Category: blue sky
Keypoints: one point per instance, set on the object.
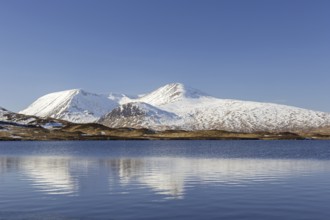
(270, 51)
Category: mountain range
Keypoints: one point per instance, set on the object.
(175, 106)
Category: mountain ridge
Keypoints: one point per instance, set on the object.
(176, 106)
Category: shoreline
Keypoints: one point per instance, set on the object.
(92, 131)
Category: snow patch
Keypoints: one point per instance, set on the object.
(52, 125)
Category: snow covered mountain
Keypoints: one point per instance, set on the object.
(74, 105)
(190, 109)
(175, 106)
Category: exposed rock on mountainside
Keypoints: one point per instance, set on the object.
(140, 115)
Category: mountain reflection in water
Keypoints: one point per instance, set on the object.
(168, 176)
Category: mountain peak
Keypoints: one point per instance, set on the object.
(171, 93)
(175, 84)
(76, 92)
(75, 105)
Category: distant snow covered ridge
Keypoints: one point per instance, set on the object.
(175, 106)
(3, 113)
(8, 116)
(25, 120)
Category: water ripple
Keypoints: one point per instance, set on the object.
(131, 186)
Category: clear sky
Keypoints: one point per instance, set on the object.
(267, 50)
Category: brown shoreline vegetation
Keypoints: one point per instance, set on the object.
(92, 131)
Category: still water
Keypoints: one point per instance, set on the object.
(165, 180)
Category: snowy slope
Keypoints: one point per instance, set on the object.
(195, 110)
(73, 105)
(242, 116)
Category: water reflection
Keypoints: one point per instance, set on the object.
(51, 175)
(164, 176)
